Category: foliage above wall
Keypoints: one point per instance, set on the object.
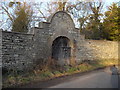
(111, 22)
(20, 15)
(88, 16)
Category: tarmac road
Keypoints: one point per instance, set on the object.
(98, 79)
(101, 78)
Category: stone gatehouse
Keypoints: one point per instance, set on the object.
(57, 39)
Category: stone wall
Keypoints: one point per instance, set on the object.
(24, 51)
(41, 41)
(103, 49)
(98, 49)
(16, 50)
(0, 59)
(0, 48)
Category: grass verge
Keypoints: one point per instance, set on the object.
(13, 80)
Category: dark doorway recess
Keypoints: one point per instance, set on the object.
(61, 48)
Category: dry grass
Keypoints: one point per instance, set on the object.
(108, 62)
(50, 70)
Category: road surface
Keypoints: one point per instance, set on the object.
(102, 78)
(99, 79)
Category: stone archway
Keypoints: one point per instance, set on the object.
(61, 49)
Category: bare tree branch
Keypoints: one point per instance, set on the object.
(9, 15)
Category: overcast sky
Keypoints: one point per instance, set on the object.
(107, 3)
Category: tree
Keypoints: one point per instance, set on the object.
(20, 17)
(94, 24)
(23, 18)
(80, 10)
(47, 9)
(111, 21)
(60, 5)
(89, 15)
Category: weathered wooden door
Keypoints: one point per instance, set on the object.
(61, 48)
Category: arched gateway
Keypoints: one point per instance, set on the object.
(61, 48)
(63, 35)
(57, 39)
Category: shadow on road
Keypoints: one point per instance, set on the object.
(114, 77)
